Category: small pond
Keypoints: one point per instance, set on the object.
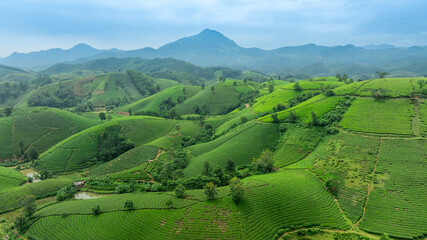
(88, 195)
(30, 172)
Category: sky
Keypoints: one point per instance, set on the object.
(32, 25)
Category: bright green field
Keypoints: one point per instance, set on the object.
(394, 87)
(38, 128)
(125, 161)
(398, 205)
(296, 144)
(379, 116)
(77, 152)
(235, 120)
(349, 159)
(152, 103)
(267, 102)
(9, 198)
(240, 145)
(10, 178)
(287, 198)
(318, 104)
(216, 101)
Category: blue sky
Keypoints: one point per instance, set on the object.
(29, 25)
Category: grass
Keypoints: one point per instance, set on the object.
(318, 104)
(348, 159)
(394, 87)
(240, 145)
(38, 128)
(288, 203)
(379, 116)
(9, 199)
(77, 152)
(127, 160)
(10, 178)
(296, 143)
(397, 205)
(267, 102)
(153, 102)
(216, 101)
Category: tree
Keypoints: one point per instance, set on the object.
(243, 119)
(292, 117)
(180, 191)
(230, 167)
(65, 193)
(212, 88)
(297, 87)
(338, 76)
(265, 163)
(30, 179)
(21, 223)
(8, 111)
(314, 120)
(378, 93)
(270, 88)
(245, 80)
(45, 173)
(381, 74)
(234, 83)
(203, 86)
(275, 118)
(129, 205)
(96, 210)
(130, 112)
(29, 204)
(207, 170)
(237, 190)
(210, 190)
(344, 78)
(102, 116)
(33, 154)
(169, 202)
(21, 147)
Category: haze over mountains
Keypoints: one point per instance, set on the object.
(211, 48)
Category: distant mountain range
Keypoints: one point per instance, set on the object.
(211, 48)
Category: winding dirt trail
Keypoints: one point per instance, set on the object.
(371, 186)
(149, 162)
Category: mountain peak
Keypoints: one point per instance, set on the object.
(210, 33)
(82, 46)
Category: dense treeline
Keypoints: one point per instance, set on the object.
(12, 90)
(143, 83)
(60, 98)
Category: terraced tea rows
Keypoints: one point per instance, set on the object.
(379, 116)
(397, 205)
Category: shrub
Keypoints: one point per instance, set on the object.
(180, 191)
(237, 190)
(210, 190)
(96, 210)
(65, 193)
(129, 205)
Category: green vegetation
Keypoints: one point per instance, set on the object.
(241, 145)
(397, 203)
(379, 116)
(37, 128)
(10, 178)
(80, 150)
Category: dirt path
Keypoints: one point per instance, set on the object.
(371, 186)
(149, 162)
(416, 121)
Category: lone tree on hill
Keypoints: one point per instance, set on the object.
(237, 190)
(297, 87)
(314, 120)
(210, 190)
(265, 163)
(230, 167)
(129, 205)
(102, 116)
(207, 170)
(381, 74)
(180, 191)
(212, 88)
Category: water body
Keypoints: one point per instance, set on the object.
(88, 195)
(30, 172)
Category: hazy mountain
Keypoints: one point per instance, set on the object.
(49, 57)
(211, 48)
